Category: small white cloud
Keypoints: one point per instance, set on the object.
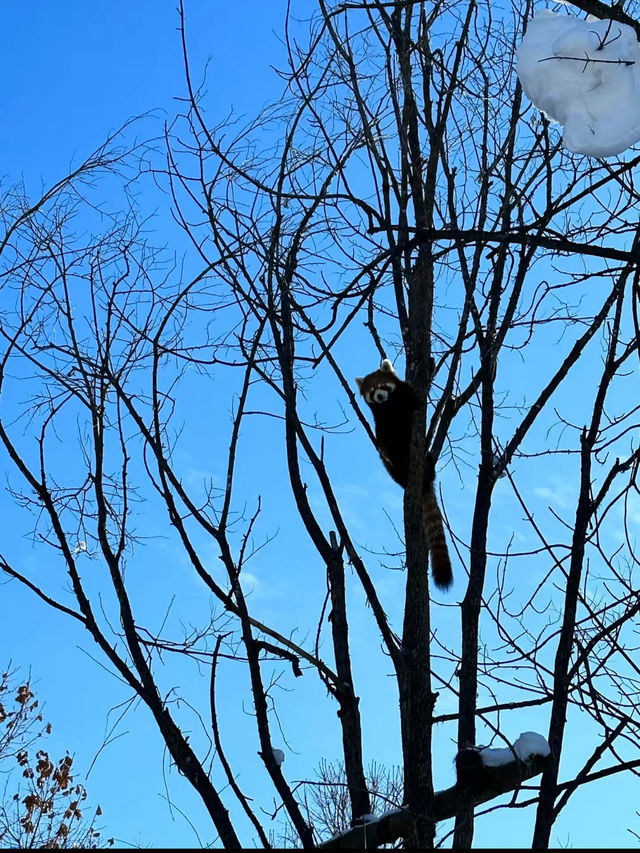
(193, 476)
(250, 582)
(558, 497)
(632, 508)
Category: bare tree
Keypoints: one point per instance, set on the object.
(402, 200)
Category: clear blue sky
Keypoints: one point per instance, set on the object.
(72, 72)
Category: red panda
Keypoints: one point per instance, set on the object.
(393, 403)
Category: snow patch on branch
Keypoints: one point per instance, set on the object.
(527, 745)
(586, 76)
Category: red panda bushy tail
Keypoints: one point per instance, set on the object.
(434, 530)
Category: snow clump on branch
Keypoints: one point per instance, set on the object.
(527, 745)
(586, 76)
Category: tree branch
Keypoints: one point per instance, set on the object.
(396, 824)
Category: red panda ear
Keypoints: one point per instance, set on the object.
(386, 366)
(359, 381)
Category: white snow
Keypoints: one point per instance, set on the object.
(531, 743)
(278, 755)
(496, 757)
(586, 76)
(527, 745)
(391, 812)
(496, 461)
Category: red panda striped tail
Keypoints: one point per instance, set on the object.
(441, 571)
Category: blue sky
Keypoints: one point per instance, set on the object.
(76, 71)
(72, 73)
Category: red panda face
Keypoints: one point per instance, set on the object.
(377, 387)
(379, 393)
